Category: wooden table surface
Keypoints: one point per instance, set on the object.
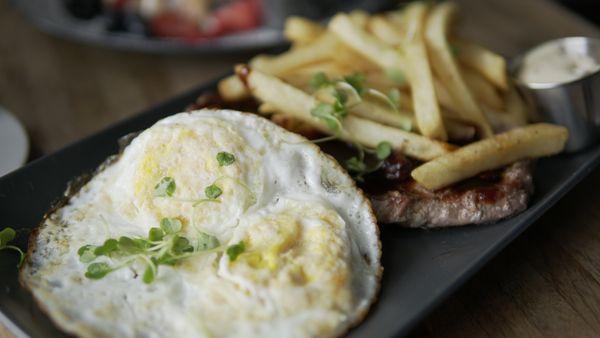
(547, 283)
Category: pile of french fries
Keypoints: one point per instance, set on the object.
(446, 91)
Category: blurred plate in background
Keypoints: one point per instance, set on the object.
(14, 145)
(52, 16)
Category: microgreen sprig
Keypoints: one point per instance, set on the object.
(396, 75)
(235, 250)
(165, 245)
(224, 158)
(166, 187)
(7, 235)
(332, 115)
(357, 166)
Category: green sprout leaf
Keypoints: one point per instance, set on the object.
(355, 164)
(130, 246)
(165, 188)
(170, 225)
(149, 273)
(156, 234)
(86, 253)
(207, 242)
(98, 270)
(383, 150)
(213, 191)
(233, 251)
(357, 81)
(319, 80)
(394, 97)
(384, 99)
(167, 259)
(341, 98)
(396, 75)
(224, 158)
(109, 246)
(6, 236)
(325, 112)
(181, 245)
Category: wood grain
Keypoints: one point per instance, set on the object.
(546, 284)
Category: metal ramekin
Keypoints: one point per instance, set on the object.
(574, 104)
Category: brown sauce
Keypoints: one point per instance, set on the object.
(486, 187)
(393, 173)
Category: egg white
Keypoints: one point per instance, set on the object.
(311, 265)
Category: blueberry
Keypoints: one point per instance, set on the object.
(120, 21)
(84, 9)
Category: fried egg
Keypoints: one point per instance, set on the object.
(311, 260)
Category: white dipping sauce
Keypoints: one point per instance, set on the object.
(552, 63)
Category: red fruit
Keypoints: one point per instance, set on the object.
(119, 5)
(237, 16)
(171, 24)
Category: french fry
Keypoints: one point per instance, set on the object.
(425, 105)
(499, 120)
(319, 50)
(232, 89)
(396, 19)
(489, 64)
(301, 31)
(382, 82)
(482, 89)
(371, 133)
(532, 141)
(458, 131)
(347, 57)
(373, 111)
(446, 68)
(298, 104)
(301, 77)
(361, 42)
(359, 17)
(266, 109)
(295, 125)
(516, 108)
(402, 119)
(512, 116)
(384, 31)
(443, 96)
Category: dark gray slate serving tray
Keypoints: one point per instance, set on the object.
(421, 267)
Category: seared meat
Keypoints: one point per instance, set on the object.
(488, 198)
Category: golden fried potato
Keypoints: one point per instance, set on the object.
(531, 141)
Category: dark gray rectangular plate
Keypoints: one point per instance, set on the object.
(421, 267)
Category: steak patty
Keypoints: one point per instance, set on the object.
(488, 198)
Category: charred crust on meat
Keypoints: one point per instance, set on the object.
(486, 198)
